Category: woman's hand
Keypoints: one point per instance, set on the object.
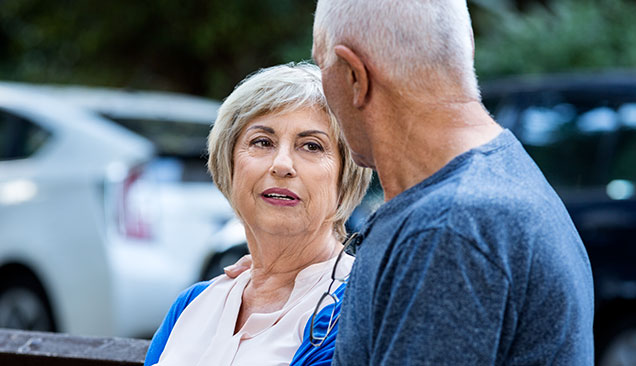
(242, 265)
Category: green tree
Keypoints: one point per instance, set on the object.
(196, 46)
(206, 46)
(562, 36)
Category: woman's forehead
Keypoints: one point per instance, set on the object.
(297, 121)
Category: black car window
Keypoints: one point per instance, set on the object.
(171, 138)
(19, 138)
(570, 137)
(623, 165)
(179, 143)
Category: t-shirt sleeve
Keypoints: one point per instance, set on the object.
(160, 338)
(440, 291)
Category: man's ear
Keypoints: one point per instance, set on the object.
(358, 76)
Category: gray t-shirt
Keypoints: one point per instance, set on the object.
(479, 264)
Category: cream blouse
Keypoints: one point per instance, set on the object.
(204, 332)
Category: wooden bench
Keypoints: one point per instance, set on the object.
(26, 348)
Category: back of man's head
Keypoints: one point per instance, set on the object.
(417, 44)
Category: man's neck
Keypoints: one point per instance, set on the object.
(414, 142)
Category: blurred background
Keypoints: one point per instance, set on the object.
(107, 211)
(206, 47)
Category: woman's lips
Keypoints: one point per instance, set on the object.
(280, 197)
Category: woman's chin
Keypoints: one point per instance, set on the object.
(283, 225)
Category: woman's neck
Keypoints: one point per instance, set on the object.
(278, 256)
(276, 262)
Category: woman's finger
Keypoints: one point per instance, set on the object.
(239, 267)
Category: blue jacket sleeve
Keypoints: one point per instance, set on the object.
(320, 356)
(160, 338)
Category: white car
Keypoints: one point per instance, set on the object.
(178, 126)
(100, 226)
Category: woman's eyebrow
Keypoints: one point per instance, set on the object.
(261, 127)
(311, 132)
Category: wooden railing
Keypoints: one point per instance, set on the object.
(25, 348)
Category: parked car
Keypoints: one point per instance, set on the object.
(178, 126)
(105, 215)
(581, 131)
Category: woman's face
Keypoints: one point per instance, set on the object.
(286, 169)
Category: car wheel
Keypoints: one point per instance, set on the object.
(222, 260)
(620, 348)
(23, 305)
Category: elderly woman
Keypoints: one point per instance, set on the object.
(278, 155)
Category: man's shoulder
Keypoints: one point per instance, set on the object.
(504, 187)
(503, 214)
(496, 200)
(467, 198)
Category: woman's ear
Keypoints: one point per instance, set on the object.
(357, 77)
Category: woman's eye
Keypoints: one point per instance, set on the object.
(261, 143)
(312, 146)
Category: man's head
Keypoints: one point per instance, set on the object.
(419, 45)
(376, 54)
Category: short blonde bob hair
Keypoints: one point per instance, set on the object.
(281, 89)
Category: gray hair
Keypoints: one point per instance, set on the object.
(407, 39)
(280, 89)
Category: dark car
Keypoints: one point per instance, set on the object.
(581, 131)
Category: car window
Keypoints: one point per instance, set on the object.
(181, 146)
(623, 165)
(171, 138)
(19, 138)
(574, 137)
(565, 146)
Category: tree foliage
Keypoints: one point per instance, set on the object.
(195, 46)
(562, 36)
(206, 46)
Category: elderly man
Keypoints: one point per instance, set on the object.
(473, 259)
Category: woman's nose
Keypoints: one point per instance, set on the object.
(283, 164)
